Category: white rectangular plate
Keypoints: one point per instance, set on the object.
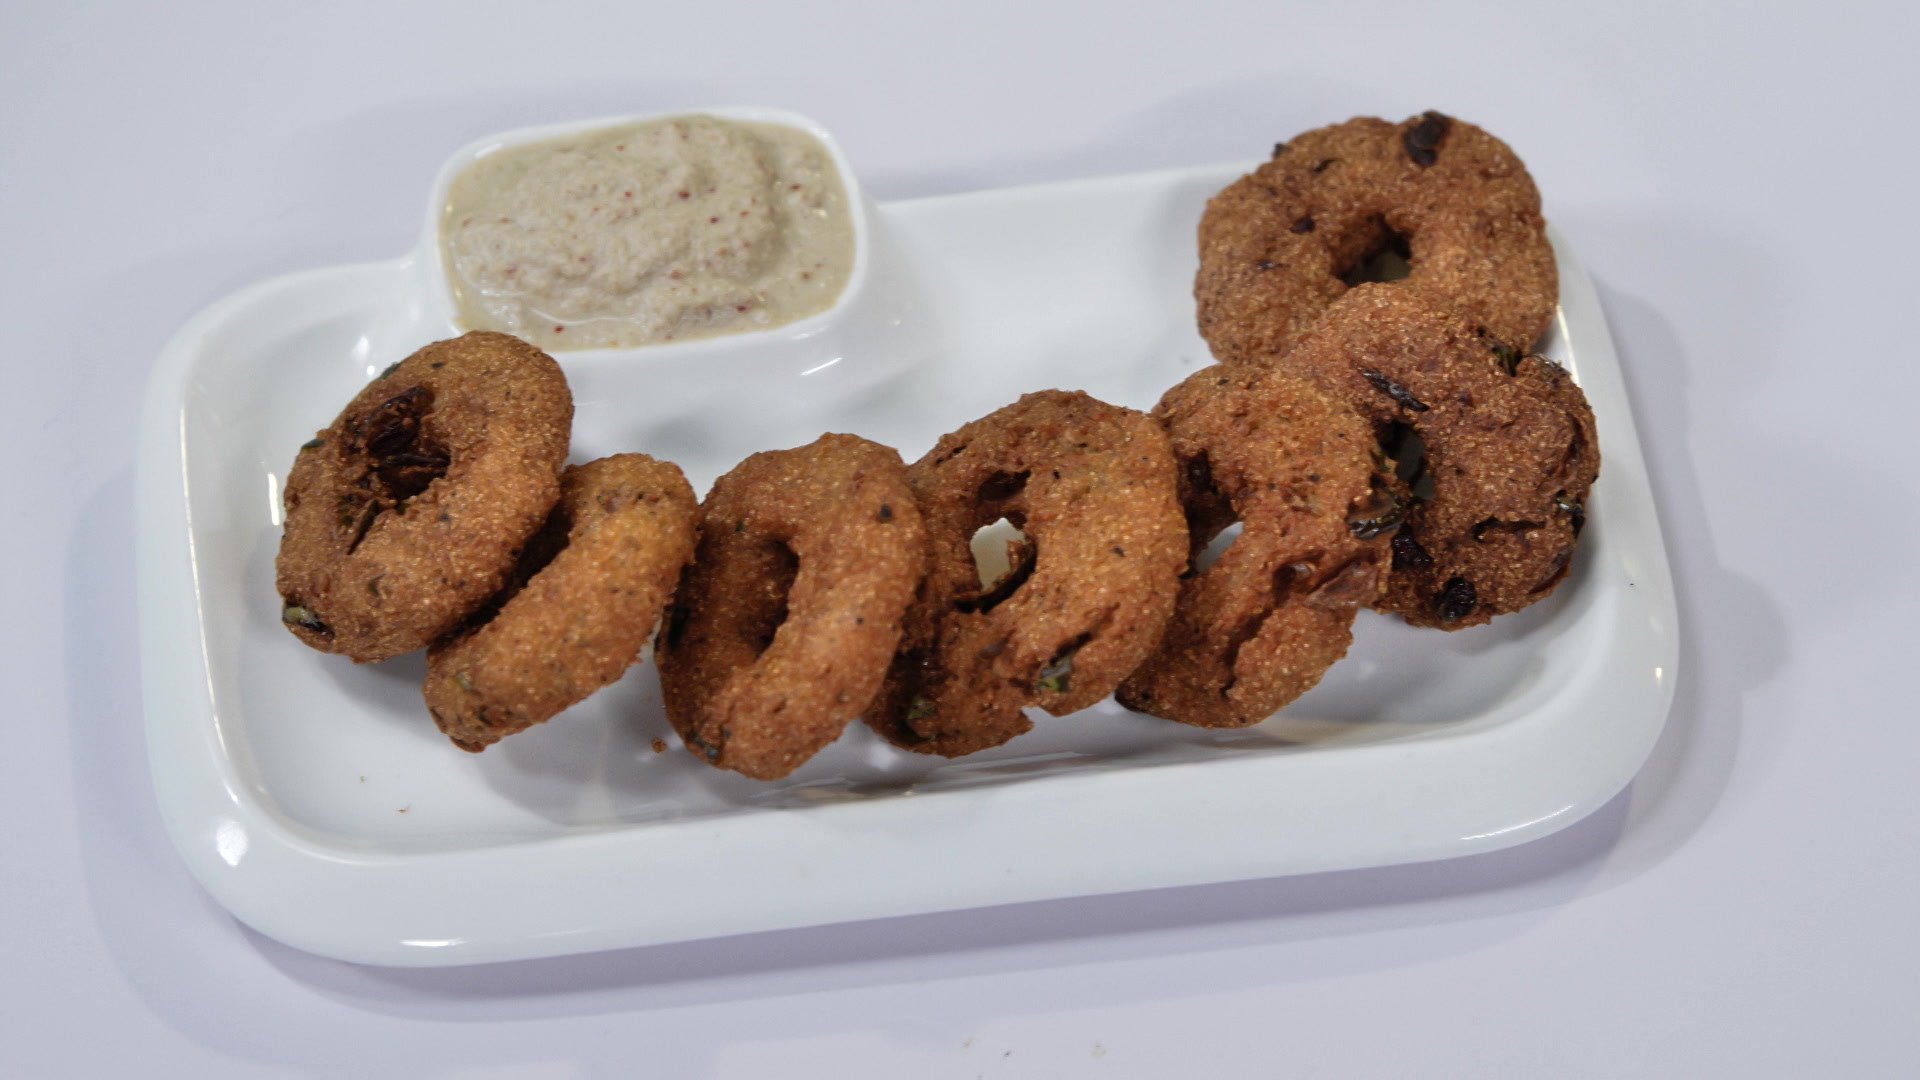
(316, 801)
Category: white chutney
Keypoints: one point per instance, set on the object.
(672, 229)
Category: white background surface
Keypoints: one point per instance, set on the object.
(1741, 185)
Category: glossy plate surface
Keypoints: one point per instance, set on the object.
(316, 801)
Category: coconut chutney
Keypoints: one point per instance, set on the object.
(662, 231)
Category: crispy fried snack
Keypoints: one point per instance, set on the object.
(589, 590)
(1316, 501)
(1280, 244)
(1510, 452)
(1093, 487)
(786, 620)
(408, 512)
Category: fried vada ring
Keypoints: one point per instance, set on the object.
(788, 616)
(1510, 452)
(408, 512)
(1282, 243)
(623, 528)
(1093, 487)
(1317, 503)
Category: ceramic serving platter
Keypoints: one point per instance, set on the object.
(315, 799)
